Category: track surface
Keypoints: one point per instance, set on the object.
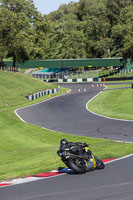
(115, 182)
(68, 114)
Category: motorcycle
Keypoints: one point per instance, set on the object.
(78, 157)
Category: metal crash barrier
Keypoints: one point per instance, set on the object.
(42, 93)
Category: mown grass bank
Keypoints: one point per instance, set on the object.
(28, 149)
(114, 103)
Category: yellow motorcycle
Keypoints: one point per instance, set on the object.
(78, 157)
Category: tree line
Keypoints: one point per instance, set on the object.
(84, 29)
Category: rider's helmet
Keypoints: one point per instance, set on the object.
(63, 142)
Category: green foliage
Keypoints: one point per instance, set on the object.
(16, 28)
(76, 30)
(66, 35)
(114, 8)
(91, 29)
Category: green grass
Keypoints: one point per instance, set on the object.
(118, 86)
(122, 74)
(114, 103)
(15, 86)
(102, 73)
(28, 149)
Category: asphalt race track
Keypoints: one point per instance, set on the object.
(68, 114)
(115, 182)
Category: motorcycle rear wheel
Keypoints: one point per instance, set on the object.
(77, 165)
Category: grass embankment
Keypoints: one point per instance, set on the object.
(122, 74)
(28, 149)
(114, 103)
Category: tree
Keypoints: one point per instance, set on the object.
(122, 33)
(3, 51)
(40, 29)
(76, 30)
(126, 20)
(96, 27)
(17, 19)
(114, 9)
(66, 38)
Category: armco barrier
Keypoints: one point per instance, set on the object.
(42, 93)
(119, 78)
(69, 80)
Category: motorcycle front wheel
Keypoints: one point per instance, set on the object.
(77, 164)
(99, 164)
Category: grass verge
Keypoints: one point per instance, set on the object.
(28, 149)
(114, 103)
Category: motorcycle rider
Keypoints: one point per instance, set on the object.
(78, 147)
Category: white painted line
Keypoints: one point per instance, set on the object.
(31, 179)
(27, 180)
(124, 157)
(124, 142)
(103, 115)
(18, 115)
(34, 105)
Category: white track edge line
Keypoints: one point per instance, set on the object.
(28, 180)
(106, 116)
(42, 178)
(103, 115)
(124, 157)
(33, 105)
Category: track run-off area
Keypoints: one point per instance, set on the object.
(68, 114)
